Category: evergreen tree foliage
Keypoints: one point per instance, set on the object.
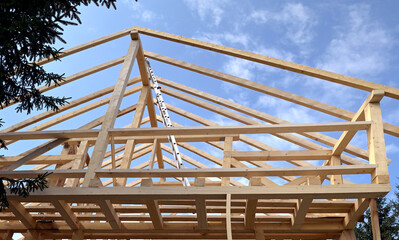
(388, 216)
(21, 187)
(28, 28)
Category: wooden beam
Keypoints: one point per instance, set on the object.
(153, 152)
(78, 235)
(259, 234)
(20, 212)
(294, 67)
(375, 224)
(300, 213)
(201, 172)
(66, 212)
(348, 235)
(200, 207)
(258, 115)
(376, 143)
(343, 191)
(228, 217)
(246, 120)
(65, 107)
(228, 146)
(249, 129)
(153, 207)
(356, 212)
(129, 147)
(34, 152)
(313, 104)
(110, 214)
(87, 45)
(280, 155)
(78, 163)
(110, 115)
(374, 97)
(251, 205)
(335, 179)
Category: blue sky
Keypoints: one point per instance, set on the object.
(355, 38)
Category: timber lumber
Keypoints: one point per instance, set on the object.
(104, 183)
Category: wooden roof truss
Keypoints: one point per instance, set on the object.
(98, 192)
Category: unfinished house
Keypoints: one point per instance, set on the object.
(153, 175)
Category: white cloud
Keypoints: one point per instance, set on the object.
(296, 19)
(266, 101)
(392, 148)
(361, 46)
(296, 115)
(208, 9)
(222, 38)
(223, 121)
(139, 12)
(246, 69)
(276, 142)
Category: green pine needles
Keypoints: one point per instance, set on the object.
(21, 187)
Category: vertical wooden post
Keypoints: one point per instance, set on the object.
(200, 206)
(251, 205)
(377, 155)
(375, 224)
(228, 146)
(335, 179)
(228, 217)
(376, 143)
(78, 162)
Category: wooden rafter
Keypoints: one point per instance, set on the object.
(109, 174)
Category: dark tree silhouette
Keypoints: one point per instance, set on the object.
(388, 212)
(28, 28)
